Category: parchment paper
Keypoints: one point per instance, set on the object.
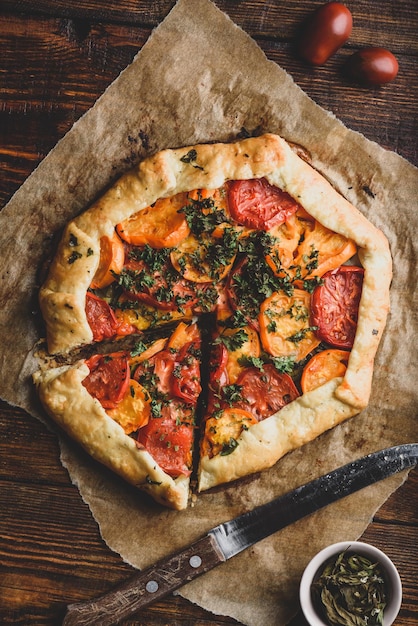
(200, 78)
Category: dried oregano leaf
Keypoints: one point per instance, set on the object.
(351, 591)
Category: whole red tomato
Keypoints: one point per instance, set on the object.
(372, 66)
(325, 32)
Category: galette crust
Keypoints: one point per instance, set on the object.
(83, 418)
(62, 300)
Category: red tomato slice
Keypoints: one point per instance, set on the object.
(218, 375)
(176, 373)
(335, 303)
(186, 375)
(109, 378)
(100, 317)
(169, 440)
(164, 363)
(103, 321)
(265, 391)
(257, 204)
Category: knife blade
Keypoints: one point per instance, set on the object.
(232, 537)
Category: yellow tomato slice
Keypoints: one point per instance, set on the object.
(287, 236)
(323, 367)
(145, 316)
(134, 410)
(221, 433)
(160, 225)
(112, 258)
(203, 259)
(250, 348)
(284, 325)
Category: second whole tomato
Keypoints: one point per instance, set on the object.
(325, 32)
(372, 66)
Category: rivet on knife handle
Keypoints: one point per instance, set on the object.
(148, 586)
(231, 537)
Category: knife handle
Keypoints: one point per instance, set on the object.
(147, 586)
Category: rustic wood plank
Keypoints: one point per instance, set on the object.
(374, 24)
(41, 572)
(71, 561)
(61, 72)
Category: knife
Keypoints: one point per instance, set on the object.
(232, 537)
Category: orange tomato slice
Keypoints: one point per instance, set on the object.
(284, 325)
(134, 410)
(331, 250)
(160, 225)
(155, 347)
(221, 433)
(323, 367)
(320, 249)
(112, 258)
(182, 335)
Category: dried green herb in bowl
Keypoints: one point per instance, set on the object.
(352, 591)
(350, 584)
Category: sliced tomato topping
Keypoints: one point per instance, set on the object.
(134, 410)
(112, 257)
(182, 335)
(161, 225)
(108, 380)
(169, 439)
(164, 363)
(266, 391)
(172, 372)
(242, 343)
(223, 431)
(103, 321)
(257, 204)
(186, 374)
(218, 374)
(100, 317)
(285, 328)
(335, 305)
(322, 367)
(149, 276)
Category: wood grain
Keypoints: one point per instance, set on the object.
(56, 58)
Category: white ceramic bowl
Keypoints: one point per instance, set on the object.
(367, 550)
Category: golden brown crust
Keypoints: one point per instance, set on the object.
(62, 299)
(262, 445)
(85, 420)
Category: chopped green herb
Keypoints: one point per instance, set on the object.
(229, 447)
(190, 157)
(232, 342)
(74, 256)
(232, 393)
(301, 334)
(149, 481)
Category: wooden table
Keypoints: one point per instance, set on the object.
(56, 58)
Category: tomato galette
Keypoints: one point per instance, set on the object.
(226, 305)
